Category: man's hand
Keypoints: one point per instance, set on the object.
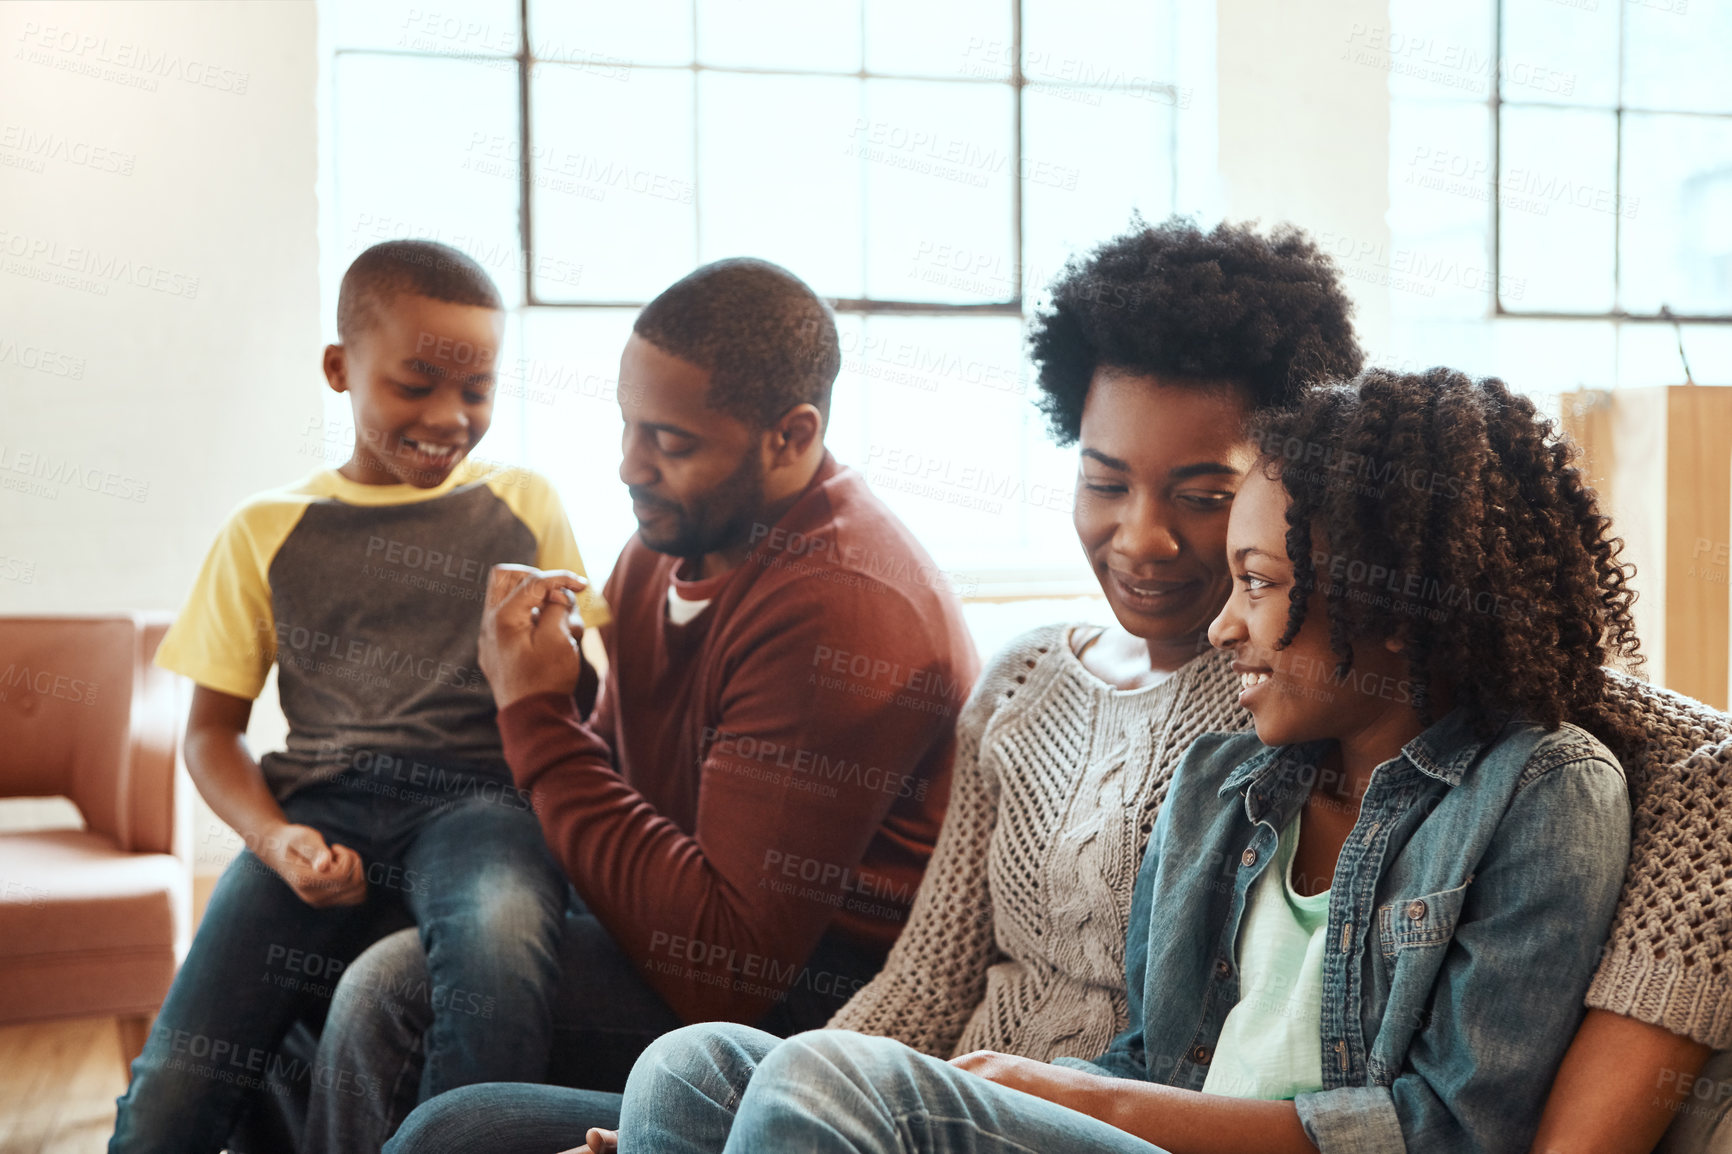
(528, 644)
(321, 875)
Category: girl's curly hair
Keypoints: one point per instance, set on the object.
(1447, 513)
(1266, 312)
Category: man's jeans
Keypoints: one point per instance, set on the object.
(717, 1087)
(604, 1015)
(464, 855)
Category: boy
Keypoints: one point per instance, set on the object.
(365, 585)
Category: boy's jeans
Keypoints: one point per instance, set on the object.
(458, 847)
(714, 1087)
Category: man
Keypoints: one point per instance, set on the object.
(747, 812)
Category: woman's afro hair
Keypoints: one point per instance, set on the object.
(1266, 313)
(1448, 514)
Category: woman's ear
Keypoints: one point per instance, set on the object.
(1395, 644)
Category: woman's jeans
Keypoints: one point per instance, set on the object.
(717, 1087)
(464, 855)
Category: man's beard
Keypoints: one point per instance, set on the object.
(720, 520)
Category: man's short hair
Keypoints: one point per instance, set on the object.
(421, 267)
(768, 340)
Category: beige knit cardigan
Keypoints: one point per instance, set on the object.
(1016, 939)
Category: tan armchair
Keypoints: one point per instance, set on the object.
(93, 921)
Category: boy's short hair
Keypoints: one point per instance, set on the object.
(1267, 313)
(768, 340)
(421, 267)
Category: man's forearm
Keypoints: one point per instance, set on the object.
(696, 910)
(647, 880)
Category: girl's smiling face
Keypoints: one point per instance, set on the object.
(1293, 693)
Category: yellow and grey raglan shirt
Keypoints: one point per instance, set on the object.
(368, 598)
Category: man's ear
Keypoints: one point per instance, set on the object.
(798, 430)
(337, 368)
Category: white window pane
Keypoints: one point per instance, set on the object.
(411, 149)
(603, 34)
(1648, 355)
(1561, 259)
(1431, 51)
(957, 38)
(506, 436)
(569, 373)
(794, 34)
(969, 499)
(939, 160)
(613, 193)
(1105, 43)
(778, 178)
(1052, 545)
(848, 433)
(1676, 207)
(1417, 343)
(457, 27)
(1560, 53)
(1441, 172)
(1438, 260)
(1675, 56)
(1092, 158)
(1545, 358)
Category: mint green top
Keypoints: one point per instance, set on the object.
(1271, 1043)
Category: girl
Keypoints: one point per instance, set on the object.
(1372, 925)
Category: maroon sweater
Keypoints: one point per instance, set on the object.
(775, 769)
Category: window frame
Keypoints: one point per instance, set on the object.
(1021, 579)
(1013, 305)
(1615, 314)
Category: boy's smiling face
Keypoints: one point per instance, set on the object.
(1293, 694)
(421, 380)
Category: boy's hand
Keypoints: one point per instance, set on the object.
(528, 644)
(321, 875)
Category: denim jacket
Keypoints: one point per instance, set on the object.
(1465, 921)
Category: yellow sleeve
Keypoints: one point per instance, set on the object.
(531, 497)
(225, 636)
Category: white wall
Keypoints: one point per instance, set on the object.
(1304, 133)
(194, 388)
(157, 163)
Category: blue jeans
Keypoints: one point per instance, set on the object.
(464, 857)
(716, 1087)
(605, 1015)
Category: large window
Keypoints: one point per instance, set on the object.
(1561, 188)
(1614, 143)
(926, 167)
